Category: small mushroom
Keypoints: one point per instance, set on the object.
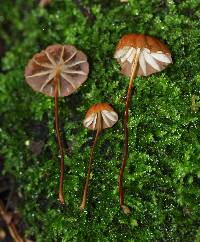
(138, 55)
(99, 116)
(57, 71)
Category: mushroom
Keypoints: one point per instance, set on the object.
(57, 71)
(99, 116)
(138, 55)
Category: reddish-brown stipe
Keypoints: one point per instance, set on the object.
(57, 71)
(99, 116)
(138, 55)
(11, 226)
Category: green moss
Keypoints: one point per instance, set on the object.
(162, 175)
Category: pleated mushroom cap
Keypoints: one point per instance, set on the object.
(154, 55)
(100, 115)
(43, 67)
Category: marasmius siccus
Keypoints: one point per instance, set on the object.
(57, 71)
(100, 116)
(138, 55)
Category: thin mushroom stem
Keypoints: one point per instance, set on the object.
(86, 187)
(11, 226)
(134, 69)
(60, 144)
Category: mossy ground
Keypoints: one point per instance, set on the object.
(162, 176)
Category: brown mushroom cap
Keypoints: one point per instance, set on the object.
(101, 112)
(154, 55)
(66, 61)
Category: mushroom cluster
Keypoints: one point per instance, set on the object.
(60, 70)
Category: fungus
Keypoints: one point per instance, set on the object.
(99, 116)
(138, 55)
(57, 71)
